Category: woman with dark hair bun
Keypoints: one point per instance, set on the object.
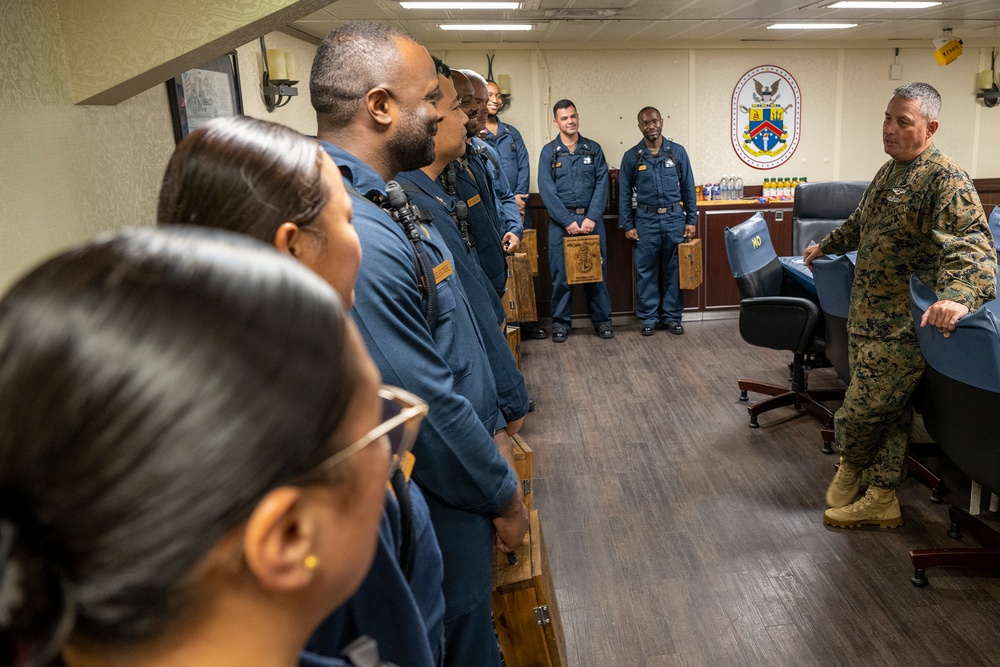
(178, 486)
(272, 183)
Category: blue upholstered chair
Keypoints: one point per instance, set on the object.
(770, 318)
(960, 402)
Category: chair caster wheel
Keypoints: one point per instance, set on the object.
(936, 496)
(827, 449)
(743, 396)
(753, 422)
(954, 531)
(919, 578)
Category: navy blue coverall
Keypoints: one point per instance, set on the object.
(459, 468)
(659, 220)
(432, 198)
(574, 186)
(474, 188)
(513, 156)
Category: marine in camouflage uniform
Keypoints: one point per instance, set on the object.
(919, 217)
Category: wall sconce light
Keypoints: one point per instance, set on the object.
(279, 77)
(986, 81)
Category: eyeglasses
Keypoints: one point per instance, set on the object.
(401, 416)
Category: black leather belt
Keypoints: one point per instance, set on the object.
(577, 211)
(659, 209)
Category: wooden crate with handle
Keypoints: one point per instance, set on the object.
(524, 605)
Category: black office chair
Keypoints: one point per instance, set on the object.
(834, 276)
(821, 207)
(770, 318)
(959, 400)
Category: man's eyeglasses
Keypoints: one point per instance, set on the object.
(401, 416)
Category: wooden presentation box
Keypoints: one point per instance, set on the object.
(689, 263)
(514, 343)
(583, 259)
(519, 301)
(524, 605)
(529, 246)
(524, 462)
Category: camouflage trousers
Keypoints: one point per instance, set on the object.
(873, 425)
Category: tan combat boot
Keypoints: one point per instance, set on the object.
(878, 507)
(844, 486)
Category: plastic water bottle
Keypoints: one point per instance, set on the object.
(724, 186)
(739, 188)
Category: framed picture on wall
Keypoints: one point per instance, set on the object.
(203, 93)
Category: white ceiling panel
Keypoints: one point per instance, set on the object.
(651, 21)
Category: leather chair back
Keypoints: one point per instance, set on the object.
(834, 277)
(820, 208)
(752, 258)
(961, 391)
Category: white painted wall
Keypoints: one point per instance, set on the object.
(844, 93)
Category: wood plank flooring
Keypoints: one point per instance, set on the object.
(680, 537)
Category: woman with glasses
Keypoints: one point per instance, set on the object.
(178, 486)
(270, 182)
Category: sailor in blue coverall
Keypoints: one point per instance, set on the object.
(660, 172)
(573, 182)
(509, 145)
(431, 198)
(464, 478)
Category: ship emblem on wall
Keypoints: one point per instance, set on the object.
(765, 130)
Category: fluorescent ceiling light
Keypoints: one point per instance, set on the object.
(811, 26)
(460, 5)
(484, 26)
(880, 4)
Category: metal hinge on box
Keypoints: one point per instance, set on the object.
(526, 487)
(542, 615)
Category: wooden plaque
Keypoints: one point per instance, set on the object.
(524, 605)
(689, 263)
(524, 465)
(519, 300)
(514, 342)
(529, 246)
(583, 259)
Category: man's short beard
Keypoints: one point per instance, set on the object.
(412, 146)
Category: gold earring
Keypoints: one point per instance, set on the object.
(311, 562)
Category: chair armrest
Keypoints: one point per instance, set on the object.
(779, 322)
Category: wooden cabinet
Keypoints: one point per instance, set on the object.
(718, 291)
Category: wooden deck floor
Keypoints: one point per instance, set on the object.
(679, 536)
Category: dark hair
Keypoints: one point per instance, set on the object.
(349, 62)
(645, 109)
(154, 387)
(561, 104)
(441, 68)
(244, 175)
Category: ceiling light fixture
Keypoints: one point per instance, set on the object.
(485, 26)
(811, 26)
(460, 5)
(880, 4)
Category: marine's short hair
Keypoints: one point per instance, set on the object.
(561, 104)
(930, 98)
(349, 62)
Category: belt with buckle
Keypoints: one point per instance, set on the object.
(577, 211)
(658, 209)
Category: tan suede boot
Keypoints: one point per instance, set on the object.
(844, 486)
(878, 507)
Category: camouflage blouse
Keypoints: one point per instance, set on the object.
(925, 219)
